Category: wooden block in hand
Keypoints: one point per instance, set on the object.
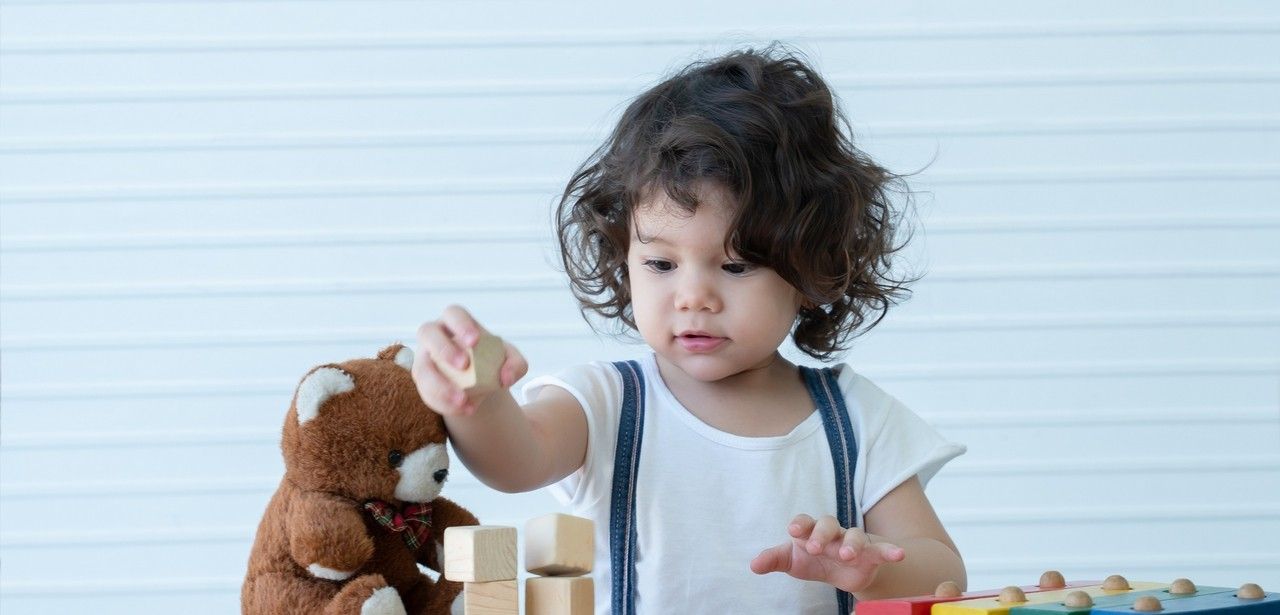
(479, 553)
(491, 598)
(559, 545)
(482, 374)
(559, 596)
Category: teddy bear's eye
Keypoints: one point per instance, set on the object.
(395, 458)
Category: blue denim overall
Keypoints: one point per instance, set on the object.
(622, 514)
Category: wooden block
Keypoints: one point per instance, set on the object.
(482, 373)
(491, 598)
(479, 553)
(559, 545)
(922, 605)
(992, 606)
(559, 596)
(1114, 600)
(1221, 603)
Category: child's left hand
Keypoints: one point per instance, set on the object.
(821, 550)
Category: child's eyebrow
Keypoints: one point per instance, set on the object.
(654, 239)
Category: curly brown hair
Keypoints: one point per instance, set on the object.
(809, 204)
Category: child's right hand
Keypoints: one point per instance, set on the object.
(448, 340)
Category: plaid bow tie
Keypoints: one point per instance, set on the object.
(416, 518)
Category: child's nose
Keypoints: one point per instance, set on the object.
(695, 295)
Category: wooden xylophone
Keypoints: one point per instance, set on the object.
(1113, 596)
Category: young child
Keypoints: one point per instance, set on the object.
(727, 211)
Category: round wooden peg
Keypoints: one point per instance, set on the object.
(947, 589)
(1052, 579)
(1078, 600)
(1012, 593)
(1147, 604)
(1251, 591)
(1182, 586)
(1116, 583)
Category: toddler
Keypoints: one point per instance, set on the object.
(727, 211)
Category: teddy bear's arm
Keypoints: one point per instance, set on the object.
(444, 514)
(327, 536)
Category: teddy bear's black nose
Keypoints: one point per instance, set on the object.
(440, 475)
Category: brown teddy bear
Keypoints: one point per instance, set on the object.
(359, 507)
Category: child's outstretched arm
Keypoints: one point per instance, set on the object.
(904, 551)
(507, 447)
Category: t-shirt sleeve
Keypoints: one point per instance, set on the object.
(598, 389)
(894, 442)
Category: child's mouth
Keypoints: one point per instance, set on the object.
(693, 342)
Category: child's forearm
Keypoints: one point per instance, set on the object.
(499, 444)
(928, 562)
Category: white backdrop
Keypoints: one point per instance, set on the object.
(202, 199)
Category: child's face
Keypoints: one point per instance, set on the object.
(709, 313)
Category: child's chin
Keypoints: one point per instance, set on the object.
(704, 367)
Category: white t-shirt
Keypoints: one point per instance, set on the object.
(707, 501)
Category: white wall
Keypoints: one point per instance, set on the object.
(202, 199)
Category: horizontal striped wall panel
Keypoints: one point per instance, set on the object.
(561, 136)
(547, 186)
(621, 37)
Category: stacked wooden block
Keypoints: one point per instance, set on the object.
(559, 548)
(483, 558)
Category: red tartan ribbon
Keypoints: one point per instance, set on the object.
(414, 521)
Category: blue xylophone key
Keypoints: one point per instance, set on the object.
(1213, 604)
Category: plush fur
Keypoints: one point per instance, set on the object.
(317, 550)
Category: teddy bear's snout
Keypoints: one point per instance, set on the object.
(422, 473)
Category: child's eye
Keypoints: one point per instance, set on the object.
(659, 266)
(738, 268)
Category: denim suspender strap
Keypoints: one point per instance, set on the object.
(626, 465)
(825, 391)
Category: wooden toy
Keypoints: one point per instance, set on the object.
(949, 592)
(480, 553)
(1080, 603)
(997, 606)
(482, 373)
(559, 596)
(1248, 600)
(1113, 596)
(491, 598)
(559, 545)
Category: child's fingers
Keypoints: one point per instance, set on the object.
(461, 325)
(826, 530)
(434, 339)
(890, 552)
(800, 526)
(773, 559)
(855, 540)
(514, 368)
(437, 391)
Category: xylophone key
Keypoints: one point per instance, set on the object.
(1245, 601)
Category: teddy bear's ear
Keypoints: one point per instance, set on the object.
(404, 358)
(402, 355)
(321, 384)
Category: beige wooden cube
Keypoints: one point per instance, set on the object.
(483, 372)
(559, 545)
(559, 596)
(491, 598)
(479, 553)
